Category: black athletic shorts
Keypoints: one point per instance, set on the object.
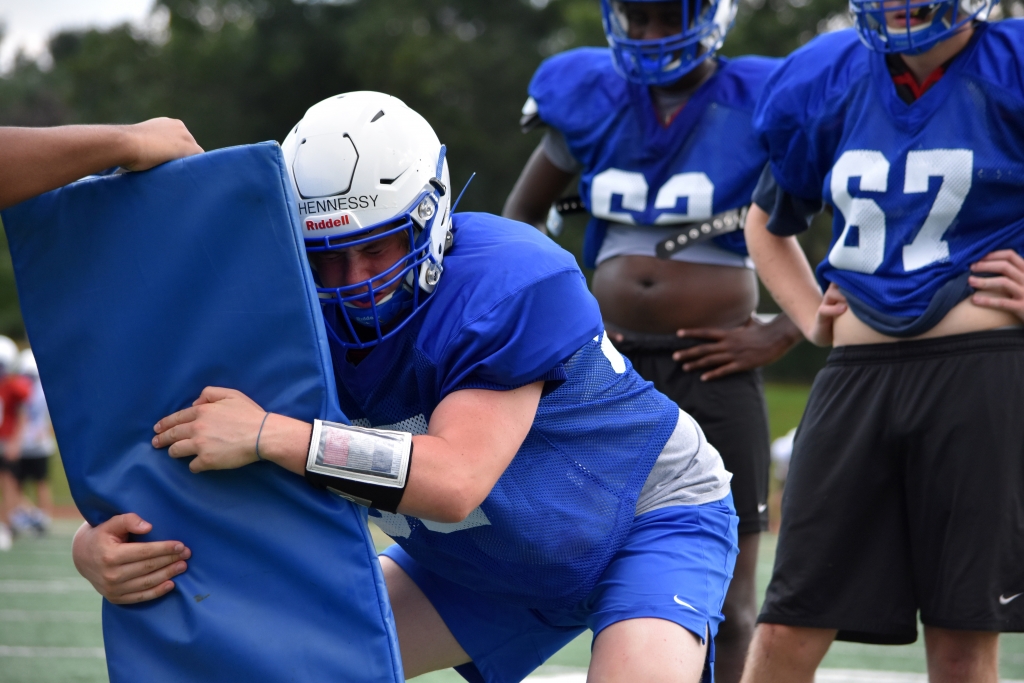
(906, 492)
(730, 410)
(32, 469)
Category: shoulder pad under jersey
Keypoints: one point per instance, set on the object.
(813, 81)
(574, 89)
(999, 56)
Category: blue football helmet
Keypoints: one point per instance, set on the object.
(938, 21)
(364, 167)
(663, 62)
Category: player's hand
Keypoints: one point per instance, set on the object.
(220, 428)
(833, 305)
(751, 345)
(156, 141)
(124, 572)
(1005, 291)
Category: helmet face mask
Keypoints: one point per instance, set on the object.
(368, 172)
(913, 26)
(663, 61)
(376, 303)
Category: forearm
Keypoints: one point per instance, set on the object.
(783, 267)
(285, 441)
(785, 330)
(472, 438)
(474, 434)
(446, 483)
(36, 160)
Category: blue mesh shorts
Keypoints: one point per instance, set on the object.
(675, 564)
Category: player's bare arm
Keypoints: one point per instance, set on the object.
(37, 160)
(472, 437)
(786, 273)
(540, 184)
(125, 572)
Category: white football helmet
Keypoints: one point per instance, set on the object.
(27, 364)
(364, 167)
(8, 355)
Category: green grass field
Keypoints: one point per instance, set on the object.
(50, 629)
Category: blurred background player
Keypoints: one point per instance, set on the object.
(660, 130)
(14, 391)
(550, 489)
(905, 493)
(37, 445)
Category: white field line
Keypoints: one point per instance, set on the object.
(861, 676)
(22, 615)
(45, 586)
(52, 652)
(824, 676)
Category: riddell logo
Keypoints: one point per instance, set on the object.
(327, 223)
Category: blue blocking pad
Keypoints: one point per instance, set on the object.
(138, 291)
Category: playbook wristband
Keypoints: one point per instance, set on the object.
(369, 467)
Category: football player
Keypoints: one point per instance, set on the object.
(534, 484)
(905, 493)
(660, 131)
(37, 160)
(14, 392)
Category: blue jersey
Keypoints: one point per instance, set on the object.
(919, 191)
(513, 308)
(639, 171)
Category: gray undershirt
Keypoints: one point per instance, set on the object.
(689, 471)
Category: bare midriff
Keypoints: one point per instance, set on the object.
(965, 317)
(658, 296)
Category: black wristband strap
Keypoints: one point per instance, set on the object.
(369, 467)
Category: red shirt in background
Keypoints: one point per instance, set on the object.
(14, 391)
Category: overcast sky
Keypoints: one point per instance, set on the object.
(30, 22)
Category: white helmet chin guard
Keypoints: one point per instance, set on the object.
(364, 167)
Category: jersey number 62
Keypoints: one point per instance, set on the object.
(696, 188)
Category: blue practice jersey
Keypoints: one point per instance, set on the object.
(639, 171)
(513, 308)
(920, 190)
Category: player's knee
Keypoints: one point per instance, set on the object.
(800, 648)
(959, 655)
(647, 650)
(740, 620)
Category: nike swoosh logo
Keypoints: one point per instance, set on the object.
(762, 507)
(1007, 601)
(686, 604)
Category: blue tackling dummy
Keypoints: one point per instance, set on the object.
(140, 290)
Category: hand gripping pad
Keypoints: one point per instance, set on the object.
(138, 291)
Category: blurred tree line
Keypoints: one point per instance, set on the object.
(242, 71)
